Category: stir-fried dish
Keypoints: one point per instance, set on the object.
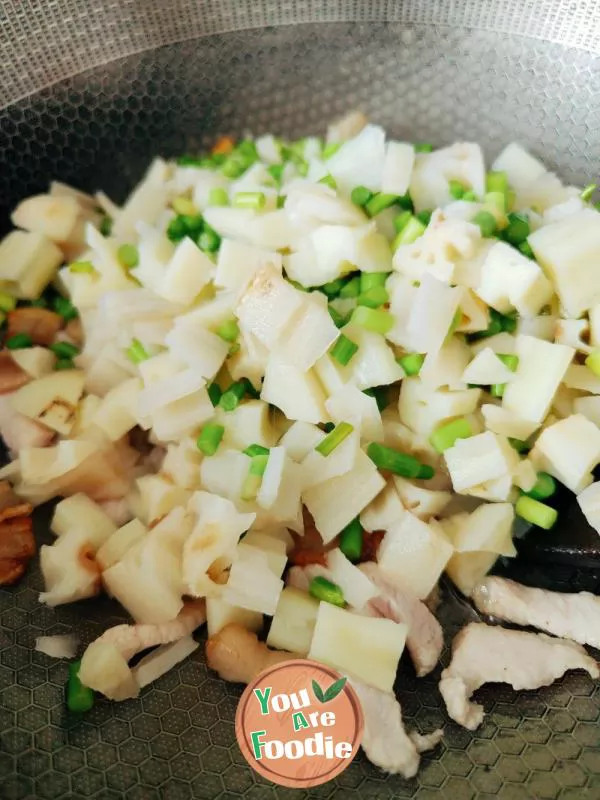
(286, 387)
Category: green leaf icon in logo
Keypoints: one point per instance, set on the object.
(331, 693)
(318, 692)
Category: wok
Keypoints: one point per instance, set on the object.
(90, 91)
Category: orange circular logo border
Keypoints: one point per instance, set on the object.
(267, 767)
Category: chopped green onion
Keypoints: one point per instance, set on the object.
(331, 149)
(176, 229)
(379, 202)
(80, 698)
(339, 320)
(343, 350)
(519, 445)
(233, 167)
(230, 399)
(327, 426)
(411, 363)
(457, 189)
(228, 331)
(326, 591)
(209, 240)
(136, 352)
(252, 200)
(508, 322)
(210, 438)
(405, 202)
(469, 197)
(593, 362)
(360, 195)
(218, 197)
(128, 256)
(374, 298)
(194, 161)
(495, 203)
(497, 389)
(446, 435)
(498, 323)
(351, 288)
(535, 512)
(369, 280)
(525, 248)
(380, 395)
(253, 480)
(276, 172)
(544, 487)
(329, 180)
(423, 147)
(402, 220)
(193, 224)
(82, 267)
(64, 349)
(214, 393)
(65, 308)
(256, 450)
(18, 341)
(235, 348)
(373, 319)
(409, 233)
(486, 222)
(333, 288)
(106, 226)
(399, 463)
(64, 363)
(425, 216)
(7, 302)
(509, 360)
(281, 200)
(334, 439)
(351, 540)
(587, 193)
(496, 182)
(517, 230)
(184, 207)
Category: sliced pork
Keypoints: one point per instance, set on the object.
(237, 655)
(489, 654)
(571, 616)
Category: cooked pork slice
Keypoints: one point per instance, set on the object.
(425, 638)
(19, 431)
(238, 656)
(385, 740)
(571, 616)
(488, 654)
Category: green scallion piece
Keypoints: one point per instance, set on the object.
(343, 350)
(64, 363)
(65, 308)
(545, 486)
(333, 288)
(409, 233)
(334, 439)
(233, 167)
(469, 196)
(128, 256)
(7, 302)
(360, 196)
(497, 389)
(230, 399)
(136, 352)
(379, 202)
(64, 349)
(587, 193)
(423, 147)
(327, 427)
(593, 362)
(82, 267)
(214, 393)
(517, 230)
(210, 438)
(218, 196)
(256, 450)
(80, 698)
(535, 512)
(425, 216)
(374, 298)
(525, 248)
(351, 541)
(411, 363)
(106, 226)
(370, 280)
(373, 319)
(331, 149)
(402, 220)
(509, 360)
(446, 435)
(209, 240)
(508, 322)
(326, 591)
(253, 479)
(380, 395)
(184, 207)
(496, 182)
(486, 222)
(457, 189)
(228, 331)
(339, 320)
(176, 229)
(399, 463)
(276, 172)
(351, 288)
(519, 445)
(329, 180)
(19, 341)
(252, 200)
